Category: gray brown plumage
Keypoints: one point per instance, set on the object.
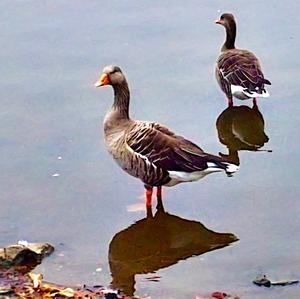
(238, 72)
(148, 150)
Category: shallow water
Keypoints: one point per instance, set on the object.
(51, 54)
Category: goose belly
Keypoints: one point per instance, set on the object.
(178, 177)
(123, 162)
(240, 96)
(238, 92)
(114, 143)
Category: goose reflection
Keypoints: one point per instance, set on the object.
(241, 128)
(156, 242)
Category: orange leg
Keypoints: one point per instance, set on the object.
(149, 191)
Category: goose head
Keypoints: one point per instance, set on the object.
(227, 20)
(111, 75)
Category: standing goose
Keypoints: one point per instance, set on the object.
(238, 72)
(148, 150)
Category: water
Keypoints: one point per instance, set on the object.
(51, 54)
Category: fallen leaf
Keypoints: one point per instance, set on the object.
(68, 292)
(36, 279)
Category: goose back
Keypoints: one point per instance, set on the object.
(240, 68)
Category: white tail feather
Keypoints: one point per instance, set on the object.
(181, 176)
(238, 91)
(230, 168)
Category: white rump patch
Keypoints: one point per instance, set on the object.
(241, 93)
(181, 176)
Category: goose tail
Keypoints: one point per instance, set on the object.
(240, 91)
(229, 168)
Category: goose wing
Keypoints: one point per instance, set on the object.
(241, 68)
(166, 150)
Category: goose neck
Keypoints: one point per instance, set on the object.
(121, 99)
(230, 37)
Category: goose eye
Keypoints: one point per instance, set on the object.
(222, 17)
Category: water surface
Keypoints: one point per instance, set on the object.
(51, 54)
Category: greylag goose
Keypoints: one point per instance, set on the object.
(238, 72)
(148, 150)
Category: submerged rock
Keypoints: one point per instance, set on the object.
(266, 282)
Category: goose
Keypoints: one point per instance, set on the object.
(238, 72)
(148, 150)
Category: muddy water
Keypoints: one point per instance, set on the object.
(59, 184)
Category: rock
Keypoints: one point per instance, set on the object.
(24, 256)
(262, 281)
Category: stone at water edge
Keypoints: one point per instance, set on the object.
(23, 254)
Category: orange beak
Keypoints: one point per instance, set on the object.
(103, 80)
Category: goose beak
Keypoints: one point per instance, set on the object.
(103, 80)
(218, 22)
